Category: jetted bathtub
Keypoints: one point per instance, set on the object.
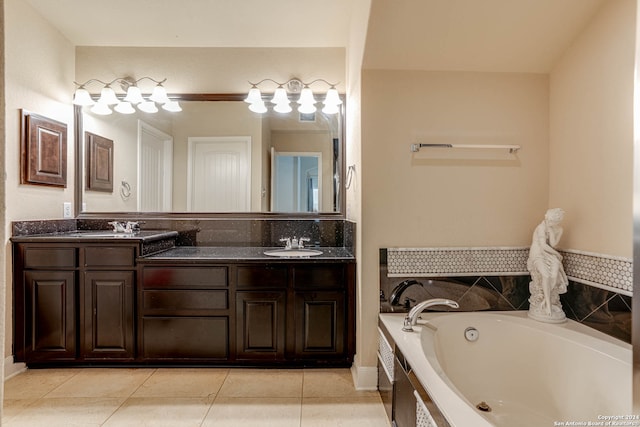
(504, 369)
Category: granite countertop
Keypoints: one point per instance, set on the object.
(96, 235)
(250, 253)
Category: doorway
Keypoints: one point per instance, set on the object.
(296, 181)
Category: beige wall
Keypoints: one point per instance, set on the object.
(591, 122)
(353, 157)
(212, 70)
(410, 200)
(39, 74)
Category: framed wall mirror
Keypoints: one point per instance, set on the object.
(214, 158)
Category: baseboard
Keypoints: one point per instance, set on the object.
(11, 369)
(365, 377)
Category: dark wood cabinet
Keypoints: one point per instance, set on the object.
(320, 319)
(91, 303)
(49, 315)
(108, 315)
(184, 313)
(74, 302)
(296, 313)
(260, 325)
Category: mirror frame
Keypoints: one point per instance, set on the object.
(79, 174)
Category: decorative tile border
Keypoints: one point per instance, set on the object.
(440, 262)
(602, 271)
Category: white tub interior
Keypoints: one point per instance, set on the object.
(531, 374)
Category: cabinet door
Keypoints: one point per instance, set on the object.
(108, 315)
(260, 325)
(50, 329)
(320, 324)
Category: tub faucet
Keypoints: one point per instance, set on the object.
(394, 299)
(412, 317)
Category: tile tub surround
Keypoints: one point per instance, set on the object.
(601, 308)
(196, 397)
(216, 232)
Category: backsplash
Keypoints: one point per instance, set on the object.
(216, 232)
(497, 279)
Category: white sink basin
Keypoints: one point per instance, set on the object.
(293, 252)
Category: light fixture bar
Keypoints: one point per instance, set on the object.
(306, 100)
(124, 103)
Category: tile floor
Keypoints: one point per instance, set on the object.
(199, 397)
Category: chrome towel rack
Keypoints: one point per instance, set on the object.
(512, 148)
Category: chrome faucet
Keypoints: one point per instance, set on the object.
(118, 227)
(129, 227)
(294, 243)
(412, 317)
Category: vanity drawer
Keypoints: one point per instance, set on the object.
(185, 337)
(109, 256)
(187, 300)
(184, 277)
(39, 257)
(262, 276)
(319, 276)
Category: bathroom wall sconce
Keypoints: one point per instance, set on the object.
(306, 100)
(123, 104)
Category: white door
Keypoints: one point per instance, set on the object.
(155, 169)
(219, 174)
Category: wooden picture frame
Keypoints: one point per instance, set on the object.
(99, 163)
(43, 151)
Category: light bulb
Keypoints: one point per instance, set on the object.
(280, 96)
(332, 97)
(159, 95)
(101, 108)
(82, 97)
(330, 109)
(283, 108)
(108, 96)
(172, 106)
(134, 95)
(258, 107)
(125, 108)
(306, 96)
(148, 107)
(253, 96)
(307, 108)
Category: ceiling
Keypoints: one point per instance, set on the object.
(473, 35)
(464, 35)
(200, 23)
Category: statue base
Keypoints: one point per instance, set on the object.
(554, 317)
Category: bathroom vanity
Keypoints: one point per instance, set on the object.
(91, 298)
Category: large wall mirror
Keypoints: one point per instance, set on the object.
(213, 157)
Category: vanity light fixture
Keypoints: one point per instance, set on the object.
(282, 102)
(124, 104)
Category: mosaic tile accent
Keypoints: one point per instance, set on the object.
(440, 262)
(599, 270)
(385, 354)
(603, 271)
(423, 416)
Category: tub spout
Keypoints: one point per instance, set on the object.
(412, 317)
